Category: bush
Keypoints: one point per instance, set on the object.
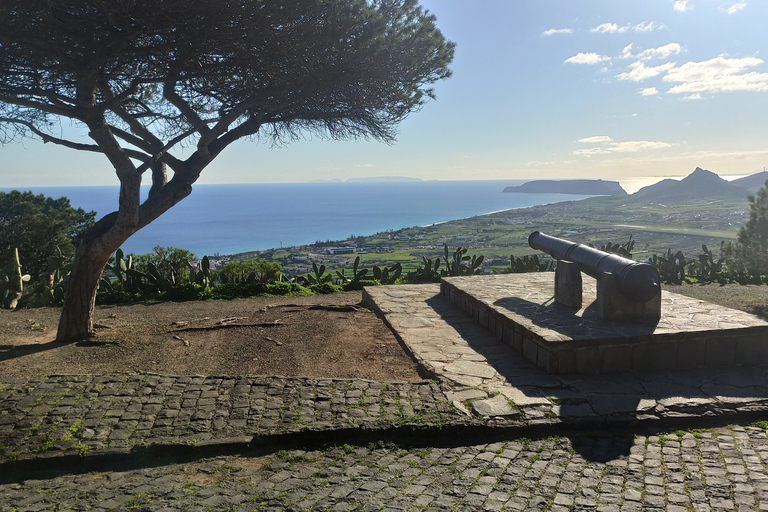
(325, 288)
(187, 291)
(242, 290)
(358, 285)
(118, 297)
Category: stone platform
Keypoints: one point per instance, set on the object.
(520, 310)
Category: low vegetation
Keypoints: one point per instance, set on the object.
(170, 273)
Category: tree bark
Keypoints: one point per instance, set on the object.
(76, 321)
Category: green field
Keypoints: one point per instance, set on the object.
(655, 228)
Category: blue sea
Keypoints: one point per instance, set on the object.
(229, 219)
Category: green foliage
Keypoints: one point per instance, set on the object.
(708, 269)
(358, 285)
(164, 266)
(388, 275)
(748, 257)
(39, 226)
(251, 271)
(357, 273)
(429, 272)
(243, 290)
(12, 283)
(624, 249)
(325, 287)
(317, 276)
(521, 265)
(203, 276)
(671, 266)
(460, 264)
(50, 293)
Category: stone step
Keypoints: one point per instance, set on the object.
(519, 309)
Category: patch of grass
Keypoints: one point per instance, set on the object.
(73, 430)
(293, 457)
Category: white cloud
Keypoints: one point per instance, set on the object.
(649, 91)
(648, 26)
(628, 146)
(587, 58)
(596, 138)
(537, 163)
(682, 5)
(737, 7)
(610, 28)
(552, 31)
(661, 52)
(694, 96)
(716, 75)
(639, 71)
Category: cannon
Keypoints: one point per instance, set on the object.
(637, 283)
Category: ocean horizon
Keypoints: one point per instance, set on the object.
(235, 218)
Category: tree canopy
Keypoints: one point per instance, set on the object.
(148, 78)
(749, 254)
(38, 226)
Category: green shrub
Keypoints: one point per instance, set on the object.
(118, 297)
(243, 290)
(187, 291)
(358, 285)
(325, 288)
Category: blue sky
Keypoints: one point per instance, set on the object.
(541, 89)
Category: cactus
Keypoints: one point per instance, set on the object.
(624, 249)
(156, 280)
(317, 276)
(671, 266)
(518, 265)
(388, 275)
(128, 278)
(426, 273)
(707, 268)
(462, 265)
(357, 274)
(202, 276)
(12, 286)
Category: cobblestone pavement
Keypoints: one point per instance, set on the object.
(718, 469)
(490, 432)
(85, 415)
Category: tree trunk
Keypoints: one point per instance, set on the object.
(98, 245)
(76, 321)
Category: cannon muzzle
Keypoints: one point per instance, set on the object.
(639, 282)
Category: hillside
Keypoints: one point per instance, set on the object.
(581, 187)
(699, 185)
(752, 182)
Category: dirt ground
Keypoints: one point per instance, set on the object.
(316, 336)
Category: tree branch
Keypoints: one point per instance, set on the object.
(249, 127)
(50, 138)
(71, 112)
(201, 126)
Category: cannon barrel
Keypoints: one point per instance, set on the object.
(639, 282)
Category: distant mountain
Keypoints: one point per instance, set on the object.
(700, 184)
(582, 187)
(752, 182)
(381, 179)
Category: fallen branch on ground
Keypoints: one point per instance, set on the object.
(224, 326)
